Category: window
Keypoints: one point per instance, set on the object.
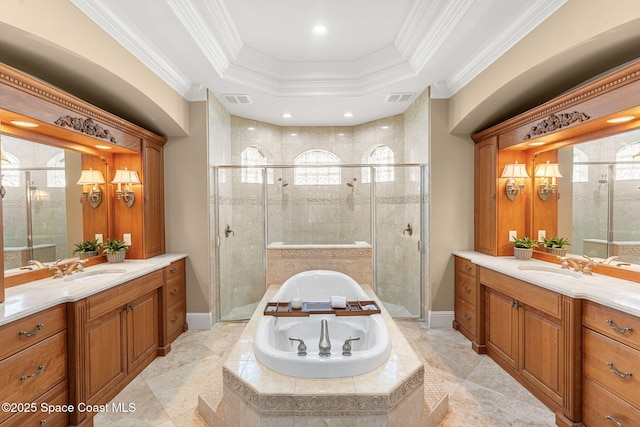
(628, 166)
(11, 178)
(379, 154)
(320, 175)
(580, 171)
(251, 156)
(55, 176)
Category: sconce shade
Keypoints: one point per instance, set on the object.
(548, 170)
(126, 176)
(514, 170)
(91, 177)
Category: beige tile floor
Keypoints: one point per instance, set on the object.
(165, 394)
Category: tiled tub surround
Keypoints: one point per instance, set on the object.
(285, 260)
(403, 391)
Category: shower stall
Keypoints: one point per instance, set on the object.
(368, 221)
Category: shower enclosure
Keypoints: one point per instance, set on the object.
(343, 216)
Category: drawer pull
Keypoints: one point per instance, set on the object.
(615, 328)
(466, 289)
(173, 292)
(467, 267)
(32, 333)
(37, 372)
(618, 373)
(613, 420)
(466, 316)
(174, 319)
(173, 269)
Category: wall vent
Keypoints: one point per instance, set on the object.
(399, 97)
(237, 99)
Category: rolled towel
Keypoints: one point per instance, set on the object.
(338, 302)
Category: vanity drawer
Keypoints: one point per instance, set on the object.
(466, 288)
(22, 333)
(612, 323)
(465, 266)
(600, 351)
(28, 374)
(174, 270)
(465, 314)
(175, 319)
(598, 404)
(174, 291)
(57, 396)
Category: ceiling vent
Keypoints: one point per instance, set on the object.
(238, 99)
(399, 97)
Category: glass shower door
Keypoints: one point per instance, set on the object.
(398, 240)
(241, 241)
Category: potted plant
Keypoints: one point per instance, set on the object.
(87, 248)
(115, 250)
(523, 247)
(556, 245)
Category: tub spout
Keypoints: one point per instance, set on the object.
(325, 345)
(346, 348)
(302, 347)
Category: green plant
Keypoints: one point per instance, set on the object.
(87, 246)
(524, 242)
(556, 242)
(114, 245)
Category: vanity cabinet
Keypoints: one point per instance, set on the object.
(174, 311)
(116, 335)
(531, 333)
(611, 357)
(33, 367)
(469, 309)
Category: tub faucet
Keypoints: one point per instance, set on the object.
(346, 347)
(325, 345)
(302, 347)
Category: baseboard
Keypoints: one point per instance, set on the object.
(441, 319)
(199, 320)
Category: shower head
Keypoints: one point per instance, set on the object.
(352, 182)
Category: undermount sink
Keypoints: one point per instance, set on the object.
(90, 276)
(550, 271)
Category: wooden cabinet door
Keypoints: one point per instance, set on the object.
(485, 196)
(142, 329)
(541, 352)
(106, 357)
(502, 327)
(153, 227)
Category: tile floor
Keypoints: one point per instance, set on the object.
(165, 394)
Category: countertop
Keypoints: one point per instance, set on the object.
(609, 291)
(23, 300)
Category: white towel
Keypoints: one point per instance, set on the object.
(338, 302)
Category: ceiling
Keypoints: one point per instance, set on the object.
(260, 59)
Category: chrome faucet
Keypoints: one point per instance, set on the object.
(324, 346)
(346, 347)
(74, 265)
(302, 347)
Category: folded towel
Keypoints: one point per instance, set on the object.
(338, 302)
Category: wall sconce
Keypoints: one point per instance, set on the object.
(513, 171)
(548, 172)
(128, 178)
(90, 181)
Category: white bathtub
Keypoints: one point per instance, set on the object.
(273, 348)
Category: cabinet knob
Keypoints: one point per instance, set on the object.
(174, 291)
(173, 269)
(467, 267)
(467, 289)
(466, 316)
(32, 333)
(174, 319)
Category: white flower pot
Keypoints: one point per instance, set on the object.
(116, 256)
(523, 254)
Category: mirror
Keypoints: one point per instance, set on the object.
(600, 197)
(42, 215)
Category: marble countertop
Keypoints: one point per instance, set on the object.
(622, 295)
(23, 300)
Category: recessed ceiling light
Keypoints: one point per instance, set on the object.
(621, 119)
(103, 147)
(24, 124)
(349, 114)
(251, 128)
(536, 143)
(319, 30)
(287, 115)
(384, 127)
(293, 134)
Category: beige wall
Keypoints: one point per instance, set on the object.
(187, 205)
(450, 204)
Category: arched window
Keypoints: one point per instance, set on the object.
(628, 166)
(324, 174)
(378, 154)
(55, 176)
(251, 156)
(580, 171)
(10, 178)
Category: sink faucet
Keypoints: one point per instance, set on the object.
(325, 345)
(610, 259)
(74, 265)
(577, 264)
